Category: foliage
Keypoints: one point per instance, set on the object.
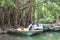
(23, 12)
(4, 3)
(49, 11)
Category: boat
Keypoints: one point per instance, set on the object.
(56, 28)
(24, 33)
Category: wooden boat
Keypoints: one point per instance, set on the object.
(24, 33)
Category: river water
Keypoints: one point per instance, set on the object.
(41, 36)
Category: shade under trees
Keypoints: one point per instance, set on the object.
(19, 13)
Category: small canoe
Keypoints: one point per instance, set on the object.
(24, 33)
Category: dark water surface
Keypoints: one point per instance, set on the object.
(42, 36)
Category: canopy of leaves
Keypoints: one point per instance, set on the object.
(4, 3)
(49, 10)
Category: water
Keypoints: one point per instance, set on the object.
(42, 36)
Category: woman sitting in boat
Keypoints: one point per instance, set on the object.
(35, 26)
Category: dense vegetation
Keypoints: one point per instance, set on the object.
(23, 12)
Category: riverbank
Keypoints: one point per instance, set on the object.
(6, 28)
(3, 31)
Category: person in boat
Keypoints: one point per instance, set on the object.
(19, 29)
(30, 26)
(40, 26)
(58, 22)
(35, 26)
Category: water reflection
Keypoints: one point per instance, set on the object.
(43, 36)
(30, 38)
(15, 37)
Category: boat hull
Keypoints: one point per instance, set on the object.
(24, 33)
